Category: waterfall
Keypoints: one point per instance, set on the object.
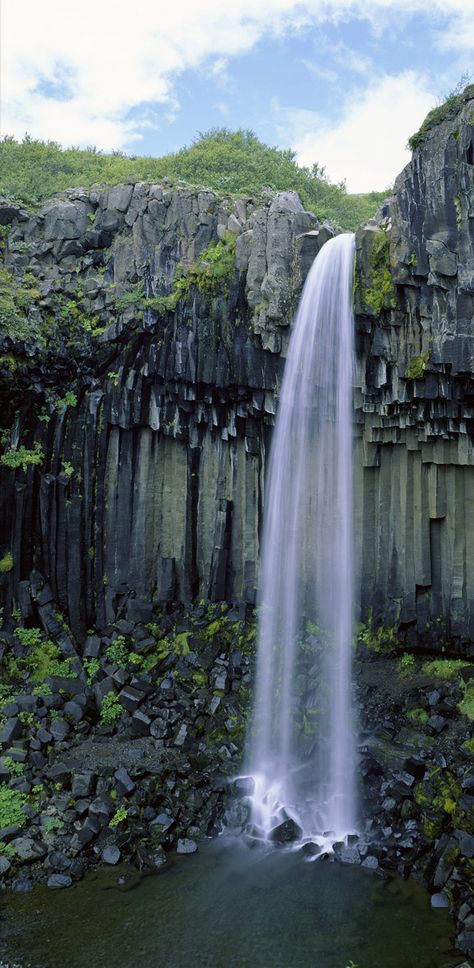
(301, 748)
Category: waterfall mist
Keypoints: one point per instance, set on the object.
(301, 748)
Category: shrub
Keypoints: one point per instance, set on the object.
(16, 457)
(11, 807)
(120, 815)
(407, 663)
(111, 709)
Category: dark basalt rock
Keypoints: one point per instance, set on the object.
(286, 832)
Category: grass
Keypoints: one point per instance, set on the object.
(229, 162)
(443, 668)
(445, 111)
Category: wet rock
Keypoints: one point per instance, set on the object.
(465, 942)
(243, 786)
(4, 865)
(186, 846)
(370, 862)
(310, 849)
(59, 729)
(58, 861)
(131, 698)
(141, 723)
(22, 885)
(347, 855)
(286, 832)
(83, 784)
(440, 900)
(10, 731)
(436, 724)
(59, 881)
(111, 855)
(29, 850)
(123, 782)
(466, 843)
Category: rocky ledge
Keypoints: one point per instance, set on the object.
(122, 747)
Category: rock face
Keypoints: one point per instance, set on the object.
(415, 474)
(166, 314)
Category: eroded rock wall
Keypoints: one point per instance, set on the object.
(151, 485)
(152, 482)
(415, 397)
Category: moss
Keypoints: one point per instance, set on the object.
(466, 706)
(380, 640)
(373, 288)
(443, 668)
(417, 366)
(442, 112)
(6, 562)
(417, 716)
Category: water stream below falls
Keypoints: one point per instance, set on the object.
(228, 907)
(301, 749)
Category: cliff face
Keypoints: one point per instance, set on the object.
(415, 410)
(151, 483)
(143, 338)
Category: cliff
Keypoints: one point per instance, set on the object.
(143, 338)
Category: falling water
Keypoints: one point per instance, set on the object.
(301, 751)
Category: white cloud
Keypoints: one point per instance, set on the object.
(369, 140)
(120, 56)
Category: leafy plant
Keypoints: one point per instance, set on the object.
(91, 668)
(11, 807)
(28, 637)
(14, 768)
(119, 816)
(418, 366)
(16, 457)
(111, 710)
(407, 663)
(53, 824)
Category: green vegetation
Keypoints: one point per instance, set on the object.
(407, 664)
(443, 112)
(111, 710)
(15, 302)
(466, 706)
(231, 162)
(443, 668)
(43, 659)
(28, 637)
(11, 807)
(377, 640)
(381, 294)
(91, 668)
(52, 824)
(14, 768)
(6, 562)
(16, 457)
(418, 716)
(418, 366)
(119, 816)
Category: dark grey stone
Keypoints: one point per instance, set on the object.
(111, 855)
(59, 881)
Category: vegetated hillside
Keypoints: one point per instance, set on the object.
(229, 161)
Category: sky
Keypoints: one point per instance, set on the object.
(342, 82)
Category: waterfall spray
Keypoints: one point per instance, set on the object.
(301, 750)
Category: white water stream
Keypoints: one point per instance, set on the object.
(302, 749)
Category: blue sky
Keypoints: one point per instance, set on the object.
(343, 82)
